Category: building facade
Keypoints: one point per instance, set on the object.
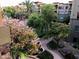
(74, 22)
(36, 7)
(63, 10)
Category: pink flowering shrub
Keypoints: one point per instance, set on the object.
(14, 23)
(23, 37)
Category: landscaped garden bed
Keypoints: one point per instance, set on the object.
(45, 55)
(52, 45)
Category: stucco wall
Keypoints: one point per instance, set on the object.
(4, 35)
(74, 22)
(75, 9)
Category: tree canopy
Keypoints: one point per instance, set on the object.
(42, 22)
(48, 13)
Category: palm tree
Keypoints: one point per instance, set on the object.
(28, 4)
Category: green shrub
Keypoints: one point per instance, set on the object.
(45, 55)
(36, 21)
(70, 56)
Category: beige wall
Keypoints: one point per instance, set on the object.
(75, 9)
(4, 35)
(74, 22)
(63, 10)
(4, 31)
(1, 15)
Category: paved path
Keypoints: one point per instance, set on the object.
(54, 53)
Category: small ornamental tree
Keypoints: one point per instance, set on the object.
(59, 31)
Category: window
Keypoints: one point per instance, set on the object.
(77, 15)
(70, 6)
(77, 28)
(66, 7)
(56, 6)
(60, 7)
(55, 11)
(75, 39)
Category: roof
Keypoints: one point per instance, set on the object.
(38, 2)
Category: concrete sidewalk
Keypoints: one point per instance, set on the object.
(56, 54)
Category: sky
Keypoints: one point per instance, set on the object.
(16, 2)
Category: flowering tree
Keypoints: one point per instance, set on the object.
(23, 39)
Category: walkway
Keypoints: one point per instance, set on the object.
(56, 54)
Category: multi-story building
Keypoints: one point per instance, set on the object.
(63, 10)
(74, 22)
(36, 6)
(70, 7)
